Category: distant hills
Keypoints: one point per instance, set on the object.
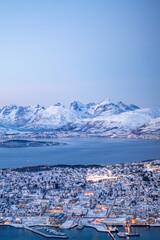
(103, 119)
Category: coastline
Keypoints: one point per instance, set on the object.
(99, 228)
(41, 135)
(50, 167)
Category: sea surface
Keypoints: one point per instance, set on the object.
(82, 151)
(10, 233)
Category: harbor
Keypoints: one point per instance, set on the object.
(46, 232)
(12, 233)
(56, 232)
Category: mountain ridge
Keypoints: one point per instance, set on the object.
(105, 118)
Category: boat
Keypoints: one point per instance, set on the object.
(122, 235)
(132, 234)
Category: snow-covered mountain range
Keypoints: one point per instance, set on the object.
(103, 119)
(152, 128)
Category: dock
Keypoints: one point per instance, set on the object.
(44, 234)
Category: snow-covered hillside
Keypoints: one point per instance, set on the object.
(105, 118)
(152, 127)
(120, 124)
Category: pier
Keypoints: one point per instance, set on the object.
(45, 235)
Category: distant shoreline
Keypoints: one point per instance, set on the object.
(38, 168)
(42, 135)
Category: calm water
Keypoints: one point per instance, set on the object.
(82, 151)
(10, 233)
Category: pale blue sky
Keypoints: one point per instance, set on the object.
(62, 50)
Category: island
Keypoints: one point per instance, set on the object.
(21, 143)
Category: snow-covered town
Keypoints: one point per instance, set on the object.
(78, 196)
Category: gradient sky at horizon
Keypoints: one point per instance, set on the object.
(66, 50)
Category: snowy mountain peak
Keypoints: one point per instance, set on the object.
(12, 106)
(105, 117)
(133, 107)
(125, 107)
(121, 104)
(37, 106)
(107, 107)
(76, 105)
(58, 104)
(105, 102)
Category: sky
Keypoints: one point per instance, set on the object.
(89, 50)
